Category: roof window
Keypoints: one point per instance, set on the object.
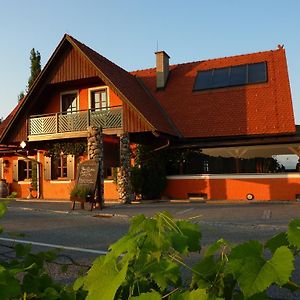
(231, 76)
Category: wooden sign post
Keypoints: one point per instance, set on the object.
(88, 178)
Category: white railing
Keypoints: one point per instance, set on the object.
(110, 117)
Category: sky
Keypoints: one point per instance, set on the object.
(129, 32)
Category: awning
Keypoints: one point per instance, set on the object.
(254, 151)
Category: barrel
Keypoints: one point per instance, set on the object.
(3, 188)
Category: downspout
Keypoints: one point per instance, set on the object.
(163, 146)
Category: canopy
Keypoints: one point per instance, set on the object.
(254, 151)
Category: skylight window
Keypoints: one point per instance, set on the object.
(231, 76)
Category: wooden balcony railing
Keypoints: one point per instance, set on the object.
(110, 117)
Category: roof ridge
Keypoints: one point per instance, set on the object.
(209, 60)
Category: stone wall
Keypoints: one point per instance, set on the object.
(96, 152)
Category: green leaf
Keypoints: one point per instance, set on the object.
(147, 296)
(293, 233)
(104, 278)
(2, 209)
(192, 233)
(79, 282)
(198, 294)
(22, 250)
(50, 294)
(277, 241)
(212, 249)
(253, 273)
(164, 272)
(203, 270)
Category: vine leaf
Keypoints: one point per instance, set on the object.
(253, 273)
(293, 233)
(191, 233)
(212, 249)
(198, 294)
(277, 241)
(164, 272)
(147, 296)
(104, 278)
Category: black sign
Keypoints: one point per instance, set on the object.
(87, 175)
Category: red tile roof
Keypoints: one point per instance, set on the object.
(9, 118)
(257, 109)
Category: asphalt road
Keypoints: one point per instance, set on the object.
(56, 225)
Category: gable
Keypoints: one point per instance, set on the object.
(70, 66)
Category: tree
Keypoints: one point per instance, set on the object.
(35, 67)
(21, 96)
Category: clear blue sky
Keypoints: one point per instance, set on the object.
(127, 32)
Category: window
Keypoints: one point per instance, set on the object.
(59, 167)
(98, 99)
(69, 102)
(62, 167)
(22, 169)
(231, 76)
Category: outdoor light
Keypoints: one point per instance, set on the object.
(23, 144)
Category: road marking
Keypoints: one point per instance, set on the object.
(55, 246)
(185, 211)
(267, 214)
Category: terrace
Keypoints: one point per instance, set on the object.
(71, 125)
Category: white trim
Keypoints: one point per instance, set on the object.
(25, 182)
(103, 87)
(108, 181)
(69, 92)
(60, 181)
(26, 159)
(234, 176)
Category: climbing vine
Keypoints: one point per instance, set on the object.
(55, 149)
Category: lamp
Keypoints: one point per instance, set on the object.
(23, 144)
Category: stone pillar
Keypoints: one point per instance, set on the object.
(96, 152)
(124, 183)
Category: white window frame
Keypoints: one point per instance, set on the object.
(66, 93)
(27, 180)
(90, 90)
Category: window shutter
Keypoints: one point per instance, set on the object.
(1, 168)
(70, 167)
(47, 168)
(15, 171)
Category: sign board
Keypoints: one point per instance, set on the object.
(87, 175)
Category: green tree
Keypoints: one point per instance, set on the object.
(35, 67)
(21, 96)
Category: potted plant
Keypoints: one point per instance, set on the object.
(81, 194)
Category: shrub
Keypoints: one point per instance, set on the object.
(80, 192)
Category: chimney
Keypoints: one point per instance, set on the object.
(162, 69)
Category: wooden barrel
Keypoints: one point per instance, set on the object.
(3, 188)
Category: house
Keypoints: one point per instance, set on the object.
(236, 104)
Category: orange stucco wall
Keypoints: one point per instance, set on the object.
(53, 104)
(235, 187)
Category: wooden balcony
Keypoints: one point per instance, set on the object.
(72, 125)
